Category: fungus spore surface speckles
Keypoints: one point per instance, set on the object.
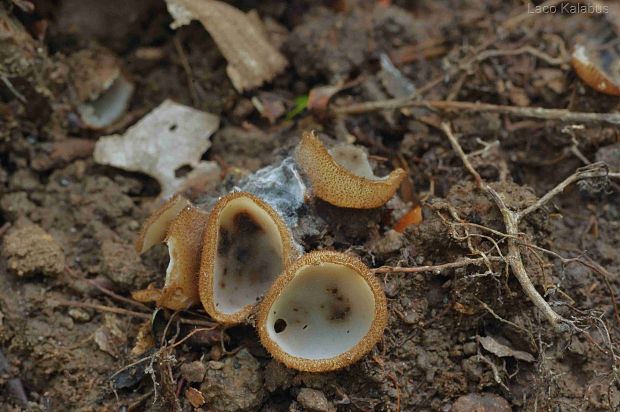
(343, 176)
(326, 311)
(246, 248)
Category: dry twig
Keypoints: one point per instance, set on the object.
(121, 311)
(511, 221)
(530, 112)
(436, 269)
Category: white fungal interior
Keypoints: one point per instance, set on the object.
(109, 106)
(354, 159)
(248, 257)
(169, 270)
(581, 55)
(156, 232)
(322, 312)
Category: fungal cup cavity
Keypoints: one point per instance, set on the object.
(324, 311)
(246, 248)
(249, 256)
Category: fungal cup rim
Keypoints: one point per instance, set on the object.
(346, 358)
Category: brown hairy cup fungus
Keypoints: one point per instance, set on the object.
(246, 246)
(156, 226)
(343, 176)
(599, 69)
(184, 241)
(325, 312)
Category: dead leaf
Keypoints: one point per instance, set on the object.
(319, 97)
(252, 59)
(412, 217)
(498, 349)
(168, 138)
(394, 82)
(195, 397)
(144, 340)
(270, 105)
(110, 337)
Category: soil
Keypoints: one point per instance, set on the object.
(461, 339)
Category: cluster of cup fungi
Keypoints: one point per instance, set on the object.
(315, 312)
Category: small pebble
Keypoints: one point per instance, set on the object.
(481, 402)
(79, 315)
(30, 250)
(470, 348)
(313, 400)
(193, 371)
(216, 365)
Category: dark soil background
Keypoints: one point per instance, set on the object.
(461, 339)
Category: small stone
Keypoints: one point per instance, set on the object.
(79, 315)
(313, 400)
(29, 250)
(193, 371)
(390, 242)
(470, 348)
(277, 376)
(235, 386)
(215, 365)
(481, 402)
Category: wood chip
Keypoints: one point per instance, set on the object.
(194, 396)
(168, 138)
(498, 349)
(252, 60)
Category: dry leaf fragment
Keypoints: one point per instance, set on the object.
(252, 59)
(598, 67)
(169, 137)
(194, 396)
(144, 339)
(319, 97)
(498, 349)
(412, 217)
(394, 82)
(110, 337)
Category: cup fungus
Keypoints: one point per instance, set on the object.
(246, 247)
(156, 226)
(180, 226)
(599, 69)
(184, 242)
(102, 90)
(325, 312)
(343, 176)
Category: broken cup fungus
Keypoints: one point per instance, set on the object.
(246, 247)
(180, 226)
(184, 242)
(102, 90)
(156, 226)
(599, 68)
(343, 176)
(325, 312)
